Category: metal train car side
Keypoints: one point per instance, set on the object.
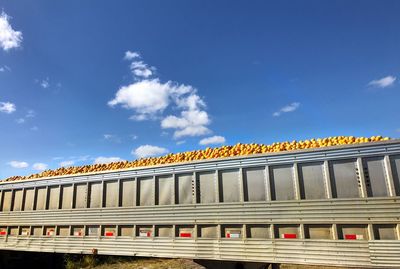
(327, 206)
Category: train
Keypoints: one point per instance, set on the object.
(337, 206)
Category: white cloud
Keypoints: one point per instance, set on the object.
(383, 82)
(134, 137)
(148, 151)
(39, 166)
(216, 139)
(34, 128)
(9, 38)
(140, 69)
(5, 68)
(30, 114)
(112, 138)
(18, 164)
(7, 107)
(20, 120)
(190, 123)
(45, 83)
(181, 142)
(129, 55)
(67, 163)
(100, 160)
(288, 108)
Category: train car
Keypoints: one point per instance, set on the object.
(327, 206)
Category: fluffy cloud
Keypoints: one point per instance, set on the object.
(216, 139)
(288, 108)
(9, 38)
(7, 107)
(129, 55)
(39, 166)
(149, 151)
(18, 164)
(149, 98)
(101, 159)
(383, 82)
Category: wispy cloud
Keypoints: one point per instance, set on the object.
(18, 164)
(20, 120)
(216, 139)
(9, 38)
(383, 82)
(101, 159)
(286, 109)
(149, 151)
(39, 166)
(7, 107)
(45, 83)
(5, 68)
(149, 98)
(67, 163)
(112, 138)
(34, 128)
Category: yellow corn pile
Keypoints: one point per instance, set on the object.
(208, 153)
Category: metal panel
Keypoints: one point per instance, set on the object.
(282, 182)
(353, 232)
(144, 231)
(344, 180)
(146, 191)
(128, 192)
(109, 231)
(54, 197)
(95, 194)
(229, 186)
(125, 230)
(41, 196)
(93, 230)
(7, 199)
(50, 231)
(258, 231)
(287, 231)
(385, 232)
(375, 177)
(63, 230)
(25, 231)
(312, 183)
(80, 196)
(317, 231)
(395, 164)
(66, 196)
(164, 231)
(13, 231)
(208, 231)
(28, 201)
(78, 230)
(232, 231)
(184, 189)
(254, 184)
(185, 231)
(206, 187)
(111, 194)
(18, 194)
(37, 231)
(165, 190)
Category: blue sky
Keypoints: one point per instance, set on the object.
(81, 80)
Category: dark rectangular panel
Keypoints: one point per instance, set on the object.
(208, 231)
(254, 184)
(352, 232)
(318, 231)
(385, 231)
(289, 231)
(229, 185)
(344, 180)
(375, 180)
(312, 183)
(164, 231)
(282, 182)
(261, 231)
(395, 164)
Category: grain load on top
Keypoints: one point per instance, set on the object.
(208, 153)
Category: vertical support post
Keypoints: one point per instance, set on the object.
(73, 196)
(155, 190)
(244, 232)
(1, 200)
(217, 187)
(136, 202)
(361, 177)
(267, 182)
(46, 200)
(398, 231)
(297, 192)
(241, 185)
(195, 190)
(370, 230)
(389, 176)
(88, 195)
(119, 194)
(272, 230)
(335, 235)
(102, 189)
(174, 186)
(327, 179)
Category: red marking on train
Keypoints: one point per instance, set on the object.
(186, 235)
(350, 236)
(109, 234)
(3, 233)
(290, 236)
